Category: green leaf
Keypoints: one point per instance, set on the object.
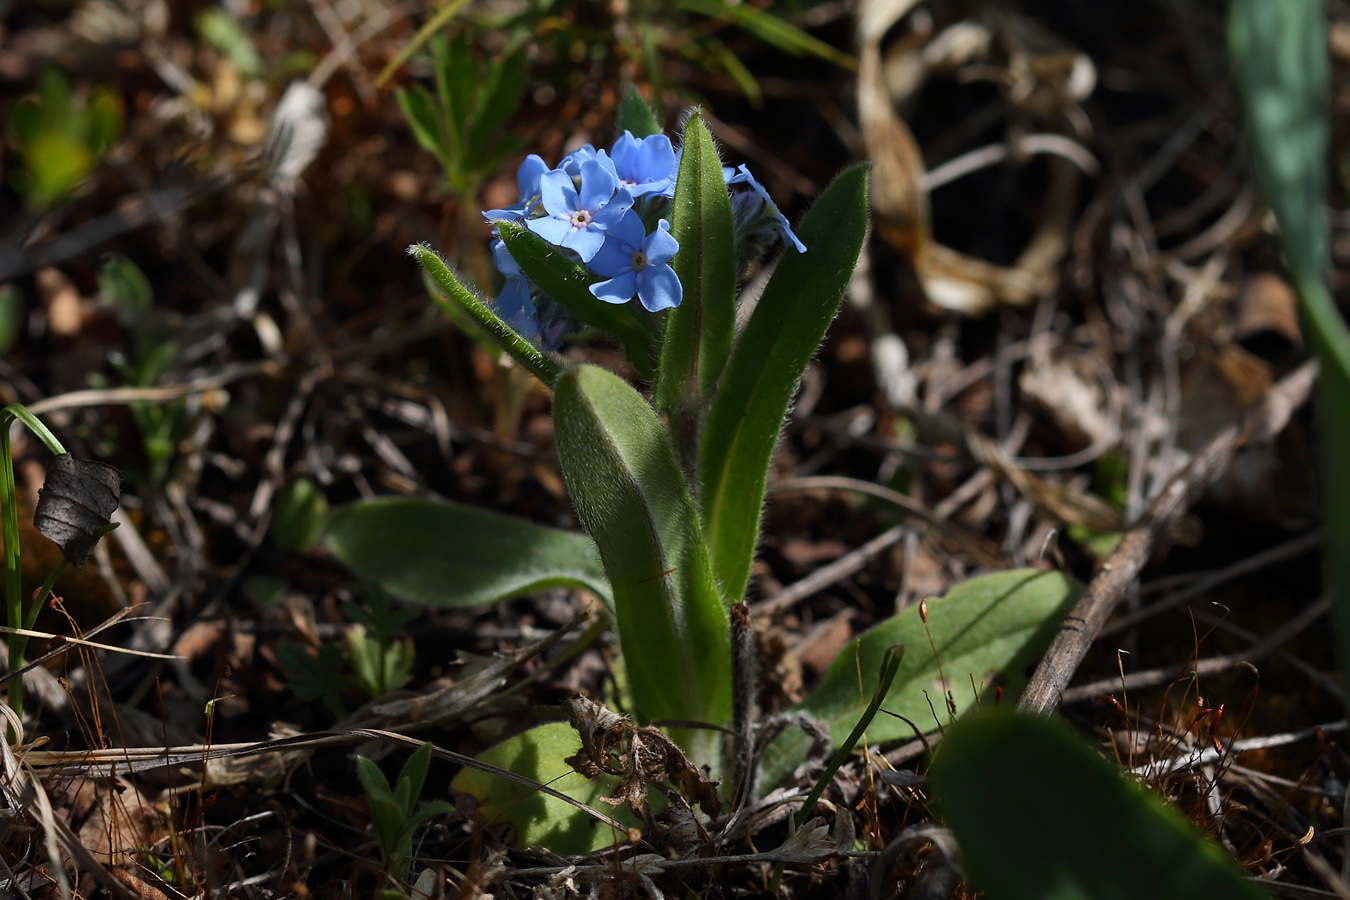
(994, 623)
(771, 30)
(497, 100)
(541, 820)
(1279, 53)
(568, 282)
(419, 108)
(699, 331)
(631, 496)
(636, 116)
(1039, 815)
(455, 298)
(414, 775)
(122, 282)
(447, 554)
(224, 32)
(11, 317)
(766, 365)
(298, 516)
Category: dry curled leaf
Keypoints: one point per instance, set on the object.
(78, 498)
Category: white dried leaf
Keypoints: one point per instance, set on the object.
(298, 131)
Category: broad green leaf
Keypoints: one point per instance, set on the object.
(458, 301)
(419, 108)
(1279, 53)
(699, 331)
(1040, 815)
(996, 623)
(447, 554)
(630, 494)
(636, 116)
(568, 282)
(541, 820)
(766, 365)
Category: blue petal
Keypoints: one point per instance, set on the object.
(558, 194)
(783, 224)
(619, 289)
(659, 288)
(585, 241)
(505, 262)
(661, 244)
(514, 307)
(528, 175)
(612, 213)
(598, 184)
(554, 230)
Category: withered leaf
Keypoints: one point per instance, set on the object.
(78, 499)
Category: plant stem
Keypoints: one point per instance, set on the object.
(14, 616)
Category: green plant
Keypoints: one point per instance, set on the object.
(125, 287)
(74, 510)
(1279, 53)
(61, 137)
(1041, 815)
(395, 813)
(671, 487)
(378, 646)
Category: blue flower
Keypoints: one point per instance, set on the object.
(645, 166)
(576, 219)
(513, 304)
(743, 176)
(638, 263)
(572, 162)
(527, 178)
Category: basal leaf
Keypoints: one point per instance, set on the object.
(1040, 815)
(993, 624)
(631, 496)
(766, 365)
(419, 108)
(568, 282)
(698, 334)
(448, 554)
(541, 820)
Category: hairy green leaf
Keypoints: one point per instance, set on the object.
(630, 494)
(636, 116)
(766, 365)
(1040, 815)
(540, 820)
(699, 331)
(993, 624)
(447, 554)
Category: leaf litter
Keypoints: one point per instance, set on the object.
(1045, 346)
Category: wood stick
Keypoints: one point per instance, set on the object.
(1045, 691)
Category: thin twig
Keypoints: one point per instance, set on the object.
(1120, 570)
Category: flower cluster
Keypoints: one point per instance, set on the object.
(610, 211)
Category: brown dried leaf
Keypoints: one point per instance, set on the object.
(78, 498)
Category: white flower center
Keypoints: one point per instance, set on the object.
(582, 219)
(639, 260)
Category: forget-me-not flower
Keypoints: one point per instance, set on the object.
(638, 263)
(527, 178)
(645, 166)
(743, 176)
(579, 219)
